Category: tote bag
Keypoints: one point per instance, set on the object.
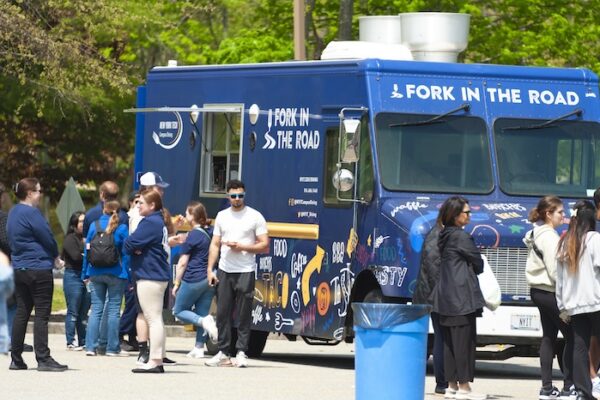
(489, 286)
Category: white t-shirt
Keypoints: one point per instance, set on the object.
(243, 227)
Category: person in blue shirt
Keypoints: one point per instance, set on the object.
(34, 253)
(193, 294)
(107, 284)
(108, 191)
(150, 270)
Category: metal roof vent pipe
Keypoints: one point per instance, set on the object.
(380, 29)
(432, 36)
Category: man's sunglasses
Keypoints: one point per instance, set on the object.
(237, 195)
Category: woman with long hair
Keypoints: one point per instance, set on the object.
(429, 275)
(193, 293)
(107, 282)
(34, 253)
(578, 289)
(542, 242)
(457, 298)
(76, 295)
(150, 269)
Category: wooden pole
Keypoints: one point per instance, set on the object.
(299, 30)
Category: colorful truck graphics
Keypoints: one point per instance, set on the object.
(417, 132)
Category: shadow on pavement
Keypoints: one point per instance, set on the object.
(316, 360)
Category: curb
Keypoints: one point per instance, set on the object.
(171, 330)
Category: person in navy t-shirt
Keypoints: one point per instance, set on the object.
(191, 287)
(34, 253)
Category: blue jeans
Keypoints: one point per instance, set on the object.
(78, 304)
(107, 291)
(4, 336)
(196, 296)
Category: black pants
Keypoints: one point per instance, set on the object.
(33, 289)
(584, 326)
(127, 321)
(459, 351)
(234, 289)
(438, 352)
(551, 324)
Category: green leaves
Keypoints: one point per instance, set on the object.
(69, 67)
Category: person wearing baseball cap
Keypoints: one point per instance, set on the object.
(153, 179)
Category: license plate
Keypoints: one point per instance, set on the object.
(525, 322)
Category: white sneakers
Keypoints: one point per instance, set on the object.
(222, 360)
(463, 395)
(195, 353)
(469, 395)
(210, 327)
(219, 360)
(241, 360)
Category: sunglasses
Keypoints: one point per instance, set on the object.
(237, 195)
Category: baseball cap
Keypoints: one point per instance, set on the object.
(153, 179)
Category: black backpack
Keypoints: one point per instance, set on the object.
(102, 251)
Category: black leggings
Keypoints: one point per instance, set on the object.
(551, 324)
(584, 326)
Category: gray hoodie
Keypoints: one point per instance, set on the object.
(541, 274)
(579, 293)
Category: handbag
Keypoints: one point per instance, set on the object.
(489, 286)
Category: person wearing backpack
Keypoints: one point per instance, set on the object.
(540, 271)
(191, 288)
(105, 268)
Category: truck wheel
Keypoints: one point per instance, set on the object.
(212, 347)
(374, 295)
(258, 340)
(256, 345)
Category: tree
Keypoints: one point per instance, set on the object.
(66, 81)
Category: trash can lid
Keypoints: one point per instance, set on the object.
(384, 315)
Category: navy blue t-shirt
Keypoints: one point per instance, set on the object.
(196, 246)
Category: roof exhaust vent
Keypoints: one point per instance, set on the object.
(434, 36)
(379, 38)
(380, 29)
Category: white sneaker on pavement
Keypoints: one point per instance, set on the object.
(210, 327)
(121, 353)
(219, 360)
(469, 395)
(241, 360)
(596, 387)
(195, 353)
(450, 393)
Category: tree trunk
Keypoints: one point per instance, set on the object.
(345, 31)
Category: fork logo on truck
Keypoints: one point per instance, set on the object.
(169, 132)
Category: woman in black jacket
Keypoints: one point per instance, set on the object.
(76, 295)
(429, 275)
(457, 298)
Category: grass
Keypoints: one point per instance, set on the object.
(58, 299)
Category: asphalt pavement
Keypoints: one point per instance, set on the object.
(287, 370)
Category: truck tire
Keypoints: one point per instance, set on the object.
(374, 295)
(256, 345)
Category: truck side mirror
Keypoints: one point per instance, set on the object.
(343, 180)
(349, 137)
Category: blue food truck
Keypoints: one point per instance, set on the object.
(349, 161)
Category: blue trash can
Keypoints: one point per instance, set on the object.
(391, 350)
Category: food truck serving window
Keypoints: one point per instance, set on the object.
(562, 158)
(221, 152)
(447, 155)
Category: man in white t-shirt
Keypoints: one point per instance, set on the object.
(240, 233)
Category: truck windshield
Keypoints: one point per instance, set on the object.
(562, 158)
(449, 156)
